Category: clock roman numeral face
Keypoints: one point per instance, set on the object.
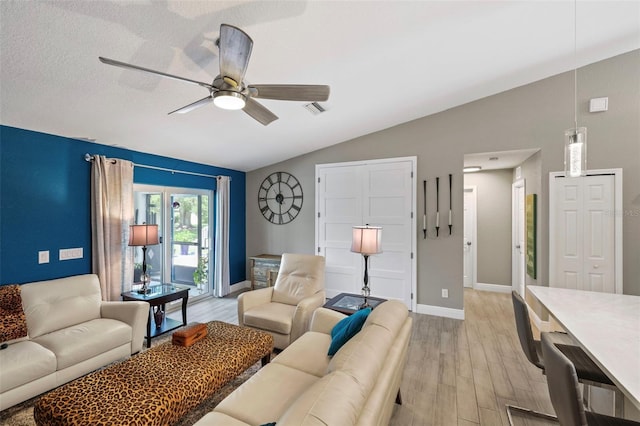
(280, 198)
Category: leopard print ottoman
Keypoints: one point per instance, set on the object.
(158, 386)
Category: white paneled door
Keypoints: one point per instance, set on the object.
(518, 267)
(469, 237)
(583, 233)
(378, 193)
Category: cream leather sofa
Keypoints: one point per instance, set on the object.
(71, 332)
(304, 386)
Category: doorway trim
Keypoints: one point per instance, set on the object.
(617, 212)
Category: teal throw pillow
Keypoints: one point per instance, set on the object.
(346, 329)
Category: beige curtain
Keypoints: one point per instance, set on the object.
(221, 270)
(111, 215)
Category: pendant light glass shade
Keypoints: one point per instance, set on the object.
(575, 152)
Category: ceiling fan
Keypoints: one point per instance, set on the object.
(229, 91)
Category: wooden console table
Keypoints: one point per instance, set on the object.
(264, 269)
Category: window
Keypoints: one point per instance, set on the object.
(185, 222)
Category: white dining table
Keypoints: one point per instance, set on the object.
(606, 326)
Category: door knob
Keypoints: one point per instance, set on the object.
(596, 266)
(518, 246)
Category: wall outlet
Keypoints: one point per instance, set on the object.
(43, 256)
(445, 293)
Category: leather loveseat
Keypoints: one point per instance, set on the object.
(71, 332)
(305, 386)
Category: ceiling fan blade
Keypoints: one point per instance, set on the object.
(235, 50)
(196, 104)
(162, 74)
(290, 92)
(259, 112)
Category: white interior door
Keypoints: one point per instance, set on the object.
(387, 196)
(339, 208)
(518, 232)
(469, 237)
(583, 233)
(378, 193)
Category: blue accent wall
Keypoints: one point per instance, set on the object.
(45, 201)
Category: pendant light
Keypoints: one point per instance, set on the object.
(575, 139)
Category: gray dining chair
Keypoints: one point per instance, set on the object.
(587, 371)
(564, 390)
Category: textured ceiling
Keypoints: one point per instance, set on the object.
(386, 62)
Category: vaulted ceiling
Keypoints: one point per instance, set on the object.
(387, 62)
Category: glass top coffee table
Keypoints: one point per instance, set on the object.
(349, 303)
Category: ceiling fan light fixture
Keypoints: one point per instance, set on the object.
(227, 99)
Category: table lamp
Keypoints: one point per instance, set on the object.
(143, 235)
(366, 240)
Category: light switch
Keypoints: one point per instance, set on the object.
(43, 256)
(72, 253)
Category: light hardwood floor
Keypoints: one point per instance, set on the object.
(457, 372)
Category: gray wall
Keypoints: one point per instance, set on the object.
(531, 116)
(493, 217)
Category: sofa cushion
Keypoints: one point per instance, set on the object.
(24, 362)
(218, 419)
(390, 315)
(362, 356)
(336, 399)
(346, 329)
(308, 354)
(270, 316)
(80, 342)
(57, 304)
(267, 394)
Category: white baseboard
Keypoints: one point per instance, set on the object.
(496, 288)
(440, 311)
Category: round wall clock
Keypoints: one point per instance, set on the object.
(280, 198)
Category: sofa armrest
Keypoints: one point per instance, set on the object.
(304, 311)
(251, 299)
(134, 313)
(324, 320)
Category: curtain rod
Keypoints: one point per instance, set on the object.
(89, 158)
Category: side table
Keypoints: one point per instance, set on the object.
(349, 303)
(160, 295)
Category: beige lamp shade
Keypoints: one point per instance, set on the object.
(366, 240)
(143, 235)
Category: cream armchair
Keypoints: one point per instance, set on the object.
(285, 309)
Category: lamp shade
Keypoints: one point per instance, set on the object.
(366, 240)
(143, 235)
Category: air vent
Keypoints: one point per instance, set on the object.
(315, 108)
